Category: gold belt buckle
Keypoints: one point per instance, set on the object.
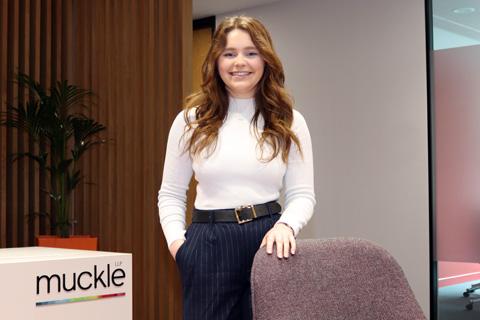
(239, 209)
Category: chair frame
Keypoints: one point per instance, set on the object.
(472, 301)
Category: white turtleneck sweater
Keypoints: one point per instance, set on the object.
(233, 174)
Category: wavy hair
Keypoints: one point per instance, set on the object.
(209, 105)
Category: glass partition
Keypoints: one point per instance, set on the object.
(456, 109)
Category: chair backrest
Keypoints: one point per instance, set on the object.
(332, 279)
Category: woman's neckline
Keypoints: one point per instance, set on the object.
(241, 105)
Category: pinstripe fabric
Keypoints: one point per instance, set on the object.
(215, 264)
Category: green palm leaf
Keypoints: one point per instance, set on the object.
(55, 116)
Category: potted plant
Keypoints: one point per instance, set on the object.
(56, 117)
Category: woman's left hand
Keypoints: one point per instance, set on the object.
(282, 235)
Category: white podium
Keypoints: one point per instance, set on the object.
(38, 283)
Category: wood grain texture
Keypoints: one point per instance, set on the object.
(136, 56)
(202, 39)
(3, 130)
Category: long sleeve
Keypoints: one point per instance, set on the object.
(298, 181)
(233, 175)
(177, 172)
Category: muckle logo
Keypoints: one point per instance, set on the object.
(97, 277)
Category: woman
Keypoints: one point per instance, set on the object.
(242, 138)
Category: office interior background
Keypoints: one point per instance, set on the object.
(387, 88)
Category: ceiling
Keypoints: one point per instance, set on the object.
(206, 8)
(447, 23)
(467, 25)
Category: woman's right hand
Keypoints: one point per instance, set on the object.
(175, 246)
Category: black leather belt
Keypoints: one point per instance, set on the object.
(239, 215)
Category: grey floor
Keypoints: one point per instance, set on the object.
(451, 303)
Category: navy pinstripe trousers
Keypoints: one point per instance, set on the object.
(215, 263)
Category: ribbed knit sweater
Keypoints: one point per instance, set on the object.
(234, 173)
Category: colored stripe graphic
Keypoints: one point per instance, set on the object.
(89, 298)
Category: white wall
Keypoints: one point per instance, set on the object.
(357, 71)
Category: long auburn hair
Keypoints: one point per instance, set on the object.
(210, 103)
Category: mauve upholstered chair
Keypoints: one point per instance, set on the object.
(332, 279)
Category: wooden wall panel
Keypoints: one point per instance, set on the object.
(136, 56)
(3, 130)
